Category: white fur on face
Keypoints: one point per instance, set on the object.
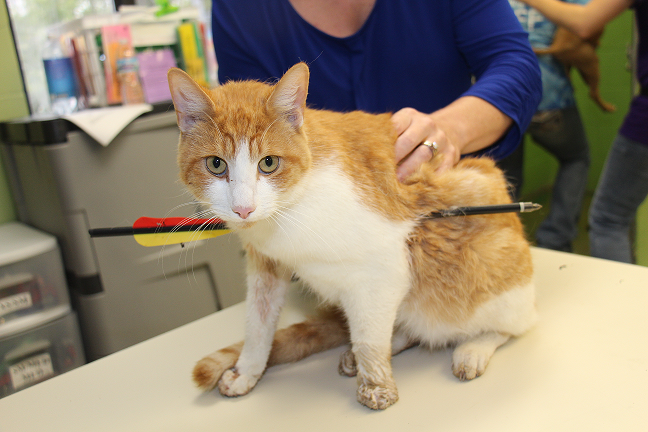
(244, 187)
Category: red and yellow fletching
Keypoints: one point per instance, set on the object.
(149, 231)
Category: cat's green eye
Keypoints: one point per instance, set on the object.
(269, 164)
(216, 165)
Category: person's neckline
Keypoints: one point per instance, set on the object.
(341, 38)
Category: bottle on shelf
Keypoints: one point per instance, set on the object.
(128, 76)
(61, 79)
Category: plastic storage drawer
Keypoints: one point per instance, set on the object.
(33, 288)
(38, 354)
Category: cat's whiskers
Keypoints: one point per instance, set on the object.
(186, 251)
(183, 192)
(196, 234)
(164, 245)
(198, 214)
(168, 213)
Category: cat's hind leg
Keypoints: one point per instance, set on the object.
(371, 313)
(470, 358)
(510, 314)
(400, 342)
(347, 365)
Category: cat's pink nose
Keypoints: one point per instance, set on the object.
(243, 212)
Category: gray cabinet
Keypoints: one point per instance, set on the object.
(65, 183)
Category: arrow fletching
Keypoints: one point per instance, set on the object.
(149, 231)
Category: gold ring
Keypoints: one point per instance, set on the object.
(433, 146)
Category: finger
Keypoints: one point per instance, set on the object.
(411, 163)
(412, 128)
(451, 157)
(446, 164)
(417, 132)
(448, 156)
(401, 120)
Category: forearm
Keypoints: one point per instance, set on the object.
(495, 110)
(471, 123)
(584, 20)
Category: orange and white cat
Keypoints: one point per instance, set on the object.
(314, 193)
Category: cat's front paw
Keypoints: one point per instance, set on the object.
(347, 364)
(469, 364)
(233, 383)
(377, 397)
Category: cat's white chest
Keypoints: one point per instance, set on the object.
(329, 236)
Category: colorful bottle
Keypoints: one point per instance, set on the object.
(61, 80)
(128, 76)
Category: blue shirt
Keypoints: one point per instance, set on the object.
(410, 53)
(557, 90)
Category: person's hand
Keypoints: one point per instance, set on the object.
(414, 128)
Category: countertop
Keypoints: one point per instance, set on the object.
(583, 367)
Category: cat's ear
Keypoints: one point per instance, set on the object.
(191, 102)
(288, 97)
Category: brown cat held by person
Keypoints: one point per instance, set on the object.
(314, 193)
(572, 51)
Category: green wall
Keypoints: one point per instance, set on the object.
(616, 87)
(13, 102)
(601, 128)
(642, 234)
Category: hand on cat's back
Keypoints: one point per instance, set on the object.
(413, 128)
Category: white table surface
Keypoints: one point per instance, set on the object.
(584, 367)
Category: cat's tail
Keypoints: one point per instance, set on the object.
(290, 344)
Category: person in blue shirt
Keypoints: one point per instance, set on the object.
(558, 128)
(459, 73)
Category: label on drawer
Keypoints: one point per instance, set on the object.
(30, 371)
(15, 303)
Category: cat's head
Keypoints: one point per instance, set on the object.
(242, 150)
